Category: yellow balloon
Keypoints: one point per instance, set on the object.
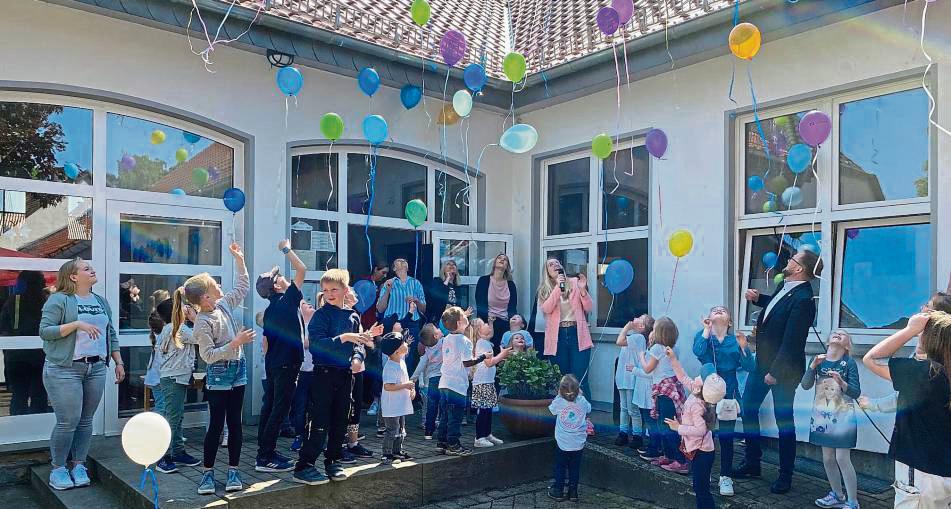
(447, 116)
(158, 137)
(745, 40)
(680, 243)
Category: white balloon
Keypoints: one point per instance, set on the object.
(462, 103)
(145, 438)
(519, 138)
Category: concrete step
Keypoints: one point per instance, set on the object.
(95, 496)
(20, 496)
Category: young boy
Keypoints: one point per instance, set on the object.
(396, 402)
(454, 382)
(427, 373)
(517, 326)
(337, 347)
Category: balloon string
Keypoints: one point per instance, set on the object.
(670, 296)
(666, 34)
(423, 75)
(212, 42)
(736, 21)
(924, 77)
(511, 112)
(627, 70)
(815, 213)
(416, 268)
(149, 474)
(330, 233)
(759, 130)
(617, 124)
(600, 337)
(372, 193)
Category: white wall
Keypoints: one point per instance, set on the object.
(689, 104)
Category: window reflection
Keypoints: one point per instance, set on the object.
(37, 225)
(21, 382)
(626, 173)
(574, 260)
(150, 239)
(139, 294)
(633, 301)
(781, 133)
(45, 142)
(313, 177)
(388, 244)
(762, 277)
(568, 194)
(22, 295)
(397, 182)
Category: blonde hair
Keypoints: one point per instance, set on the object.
(63, 282)
(547, 284)
(848, 344)
(665, 332)
(442, 272)
(935, 341)
(340, 277)
(569, 388)
(159, 296)
(452, 316)
(196, 287)
(400, 262)
(178, 314)
(507, 273)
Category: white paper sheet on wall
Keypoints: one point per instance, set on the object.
(322, 242)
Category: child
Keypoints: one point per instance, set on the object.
(472, 332)
(220, 338)
(833, 425)
(454, 382)
(625, 378)
(177, 345)
(716, 346)
(697, 420)
(427, 374)
(517, 326)
(380, 427)
(152, 376)
(335, 344)
(396, 402)
(571, 410)
(305, 379)
(667, 393)
(484, 397)
(643, 402)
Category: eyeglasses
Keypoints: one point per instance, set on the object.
(796, 262)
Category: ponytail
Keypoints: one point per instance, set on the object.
(178, 315)
(156, 324)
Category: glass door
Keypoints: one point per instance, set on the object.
(152, 250)
(474, 253)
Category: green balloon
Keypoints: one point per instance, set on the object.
(416, 212)
(200, 177)
(420, 12)
(331, 126)
(602, 146)
(514, 67)
(778, 279)
(777, 184)
(769, 206)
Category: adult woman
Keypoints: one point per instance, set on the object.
(444, 291)
(78, 339)
(565, 302)
(403, 300)
(497, 298)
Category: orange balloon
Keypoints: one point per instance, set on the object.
(745, 40)
(448, 115)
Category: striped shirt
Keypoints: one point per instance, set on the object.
(397, 304)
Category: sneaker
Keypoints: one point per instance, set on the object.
(660, 461)
(298, 443)
(622, 439)
(80, 475)
(831, 500)
(380, 432)
(482, 442)
(60, 479)
(465, 421)
(651, 456)
(346, 457)
(403, 456)
(166, 466)
(207, 484)
(573, 493)
(280, 457)
(852, 505)
(677, 467)
(359, 451)
(494, 440)
(643, 450)
(441, 447)
(427, 437)
(186, 459)
(556, 493)
(637, 442)
(311, 476)
(234, 481)
(389, 459)
(458, 450)
(374, 409)
(272, 465)
(726, 486)
(335, 471)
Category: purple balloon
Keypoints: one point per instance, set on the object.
(127, 162)
(625, 9)
(213, 174)
(852, 233)
(814, 127)
(608, 20)
(452, 47)
(656, 143)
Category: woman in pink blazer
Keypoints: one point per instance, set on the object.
(565, 303)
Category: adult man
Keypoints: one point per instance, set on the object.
(782, 328)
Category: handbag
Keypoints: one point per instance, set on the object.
(728, 410)
(907, 496)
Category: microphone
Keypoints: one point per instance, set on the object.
(562, 284)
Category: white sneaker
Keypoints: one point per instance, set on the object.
(726, 486)
(374, 408)
(494, 440)
(483, 442)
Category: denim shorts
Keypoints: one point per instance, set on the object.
(223, 375)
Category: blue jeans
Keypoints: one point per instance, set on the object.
(669, 438)
(223, 375)
(174, 396)
(159, 398)
(569, 359)
(433, 405)
(700, 469)
(783, 396)
(451, 406)
(726, 430)
(74, 392)
(570, 462)
(650, 426)
(299, 404)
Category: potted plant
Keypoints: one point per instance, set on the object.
(529, 385)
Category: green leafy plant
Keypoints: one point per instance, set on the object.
(526, 376)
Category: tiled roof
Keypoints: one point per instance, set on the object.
(64, 242)
(547, 32)
(179, 176)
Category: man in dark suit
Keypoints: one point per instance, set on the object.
(781, 332)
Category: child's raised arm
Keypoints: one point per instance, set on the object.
(678, 369)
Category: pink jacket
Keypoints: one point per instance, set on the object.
(693, 428)
(580, 305)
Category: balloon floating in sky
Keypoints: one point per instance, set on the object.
(618, 276)
(374, 129)
(368, 81)
(474, 77)
(71, 170)
(410, 96)
(331, 126)
(519, 138)
(452, 47)
(680, 243)
(514, 67)
(814, 127)
(608, 20)
(415, 212)
(656, 142)
(462, 103)
(233, 199)
(200, 177)
(157, 137)
(602, 146)
(745, 40)
(290, 81)
(181, 155)
(798, 158)
(420, 12)
(852, 233)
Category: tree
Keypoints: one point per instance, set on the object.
(146, 173)
(29, 142)
(921, 183)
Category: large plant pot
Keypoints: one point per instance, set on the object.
(527, 418)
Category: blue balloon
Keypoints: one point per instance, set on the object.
(474, 76)
(374, 129)
(191, 137)
(618, 276)
(234, 199)
(71, 170)
(755, 183)
(369, 81)
(770, 259)
(410, 96)
(792, 197)
(519, 138)
(366, 294)
(799, 157)
(178, 191)
(290, 81)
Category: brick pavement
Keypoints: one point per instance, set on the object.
(535, 496)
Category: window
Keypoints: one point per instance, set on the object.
(139, 294)
(574, 260)
(147, 239)
(451, 200)
(386, 245)
(22, 295)
(568, 196)
(473, 258)
(149, 156)
(626, 183)
(874, 239)
(631, 302)
(397, 182)
(315, 242)
(37, 225)
(311, 173)
(22, 392)
(45, 142)
(132, 395)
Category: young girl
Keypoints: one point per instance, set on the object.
(625, 378)
(176, 343)
(484, 396)
(220, 338)
(833, 426)
(717, 346)
(695, 426)
(571, 410)
(643, 402)
(667, 392)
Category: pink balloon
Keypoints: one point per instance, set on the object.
(608, 20)
(452, 47)
(625, 9)
(656, 143)
(814, 127)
